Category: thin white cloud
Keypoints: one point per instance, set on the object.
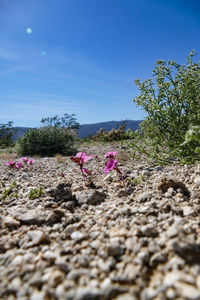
(58, 61)
(33, 108)
(37, 98)
(8, 54)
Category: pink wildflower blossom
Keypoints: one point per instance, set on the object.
(80, 159)
(10, 164)
(83, 156)
(30, 161)
(24, 159)
(111, 164)
(18, 165)
(111, 154)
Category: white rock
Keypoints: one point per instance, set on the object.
(108, 177)
(131, 271)
(38, 295)
(76, 188)
(16, 283)
(36, 236)
(171, 293)
(76, 235)
(187, 291)
(187, 211)
(95, 244)
(198, 281)
(144, 196)
(28, 257)
(126, 296)
(94, 283)
(106, 282)
(49, 255)
(46, 277)
(143, 209)
(172, 231)
(56, 277)
(60, 291)
(10, 222)
(149, 230)
(17, 260)
(197, 180)
(171, 278)
(149, 293)
(104, 266)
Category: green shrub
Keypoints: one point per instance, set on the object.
(67, 121)
(36, 193)
(171, 99)
(190, 148)
(112, 135)
(6, 134)
(46, 141)
(11, 191)
(56, 137)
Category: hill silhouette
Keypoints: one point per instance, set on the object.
(86, 130)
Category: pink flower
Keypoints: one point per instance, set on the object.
(10, 164)
(30, 161)
(24, 159)
(110, 165)
(80, 159)
(111, 154)
(83, 156)
(18, 165)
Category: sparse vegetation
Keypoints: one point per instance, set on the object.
(57, 137)
(6, 134)
(171, 99)
(60, 158)
(112, 135)
(10, 191)
(36, 193)
(191, 146)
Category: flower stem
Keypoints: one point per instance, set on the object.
(83, 176)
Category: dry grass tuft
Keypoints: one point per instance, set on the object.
(60, 159)
(123, 156)
(7, 156)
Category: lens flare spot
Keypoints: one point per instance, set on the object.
(43, 53)
(28, 30)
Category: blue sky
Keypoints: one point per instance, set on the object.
(83, 56)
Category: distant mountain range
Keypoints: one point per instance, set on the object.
(88, 129)
(91, 129)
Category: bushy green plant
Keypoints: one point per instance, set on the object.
(36, 193)
(67, 121)
(190, 148)
(46, 141)
(55, 138)
(171, 99)
(9, 192)
(112, 135)
(6, 134)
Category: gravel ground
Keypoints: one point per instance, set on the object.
(107, 241)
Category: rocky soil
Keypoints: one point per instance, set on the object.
(106, 241)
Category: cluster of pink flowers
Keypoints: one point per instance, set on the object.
(80, 159)
(111, 163)
(20, 164)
